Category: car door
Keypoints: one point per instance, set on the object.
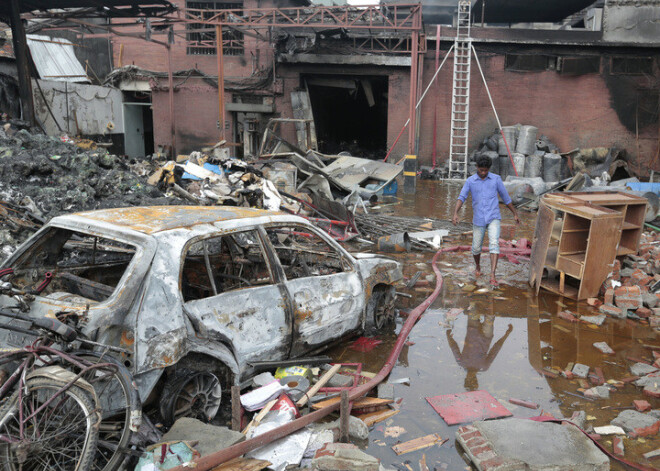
(323, 284)
(231, 296)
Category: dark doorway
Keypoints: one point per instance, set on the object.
(138, 124)
(350, 113)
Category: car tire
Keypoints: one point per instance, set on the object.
(190, 393)
(380, 309)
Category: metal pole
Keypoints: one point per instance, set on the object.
(221, 80)
(418, 103)
(483, 12)
(499, 125)
(413, 90)
(170, 86)
(22, 63)
(435, 103)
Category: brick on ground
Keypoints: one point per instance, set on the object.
(613, 311)
(628, 297)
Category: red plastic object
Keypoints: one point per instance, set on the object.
(468, 407)
(365, 344)
(285, 404)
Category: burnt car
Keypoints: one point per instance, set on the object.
(199, 298)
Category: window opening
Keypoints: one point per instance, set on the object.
(529, 62)
(303, 253)
(202, 36)
(578, 65)
(222, 264)
(86, 269)
(632, 65)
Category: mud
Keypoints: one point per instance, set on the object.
(498, 343)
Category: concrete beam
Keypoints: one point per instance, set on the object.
(395, 61)
(250, 107)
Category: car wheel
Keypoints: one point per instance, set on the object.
(381, 306)
(190, 393)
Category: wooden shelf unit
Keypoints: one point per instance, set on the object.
(578, 236)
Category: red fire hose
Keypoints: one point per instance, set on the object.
(208, 462)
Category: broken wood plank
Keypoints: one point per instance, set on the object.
(321, 382)
(418, 444)
(362, 403)
(375, 417)
(243, 464)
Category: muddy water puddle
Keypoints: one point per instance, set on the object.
(500, 341)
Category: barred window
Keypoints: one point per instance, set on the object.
(579, 65)
(529, 62)
(632, 65)
(201, 37)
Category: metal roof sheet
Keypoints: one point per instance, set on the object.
(55, 59)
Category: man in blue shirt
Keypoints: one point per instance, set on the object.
(484, 187)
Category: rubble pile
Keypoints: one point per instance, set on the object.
(633, 288)
(41, 177)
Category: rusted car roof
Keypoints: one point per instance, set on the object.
(153, 219)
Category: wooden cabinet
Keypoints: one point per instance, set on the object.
(578, 236)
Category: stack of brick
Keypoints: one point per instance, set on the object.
(629, 290)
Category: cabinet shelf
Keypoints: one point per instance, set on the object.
(578, 236)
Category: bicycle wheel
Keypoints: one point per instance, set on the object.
(120, 406)
(62, 436)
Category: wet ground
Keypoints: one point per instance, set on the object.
(498, 343)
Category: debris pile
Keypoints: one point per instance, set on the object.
(277, 398)
(41, 177)
(632, 290)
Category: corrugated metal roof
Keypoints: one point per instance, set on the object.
(55, 59)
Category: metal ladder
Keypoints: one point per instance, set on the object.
(460, 99)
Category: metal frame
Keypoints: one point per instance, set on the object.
(402, 19)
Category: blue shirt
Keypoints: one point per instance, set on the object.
(485, 205)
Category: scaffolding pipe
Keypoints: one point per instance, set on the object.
(435, 103)
(412, 117)
(418, 103)
(499, 125)
(221, 80)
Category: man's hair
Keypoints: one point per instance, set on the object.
(484, 161)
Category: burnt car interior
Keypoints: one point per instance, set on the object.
(222, 264)
(303, 253)
(86, 269)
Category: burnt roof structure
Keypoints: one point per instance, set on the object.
(526, 11)
(105, 8)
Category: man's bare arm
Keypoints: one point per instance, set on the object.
(454, 220)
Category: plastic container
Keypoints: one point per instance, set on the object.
(510, 134)
(644, 186)
(519, 161)
(526, 143)
(504, 166)
(552, 167)
(534, 165)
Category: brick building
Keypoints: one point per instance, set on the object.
(582, 86)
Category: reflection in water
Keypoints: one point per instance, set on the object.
(476, 356)
(508, 364)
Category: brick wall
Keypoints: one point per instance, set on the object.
(151, 56)
(196, 116)
(573, 111)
